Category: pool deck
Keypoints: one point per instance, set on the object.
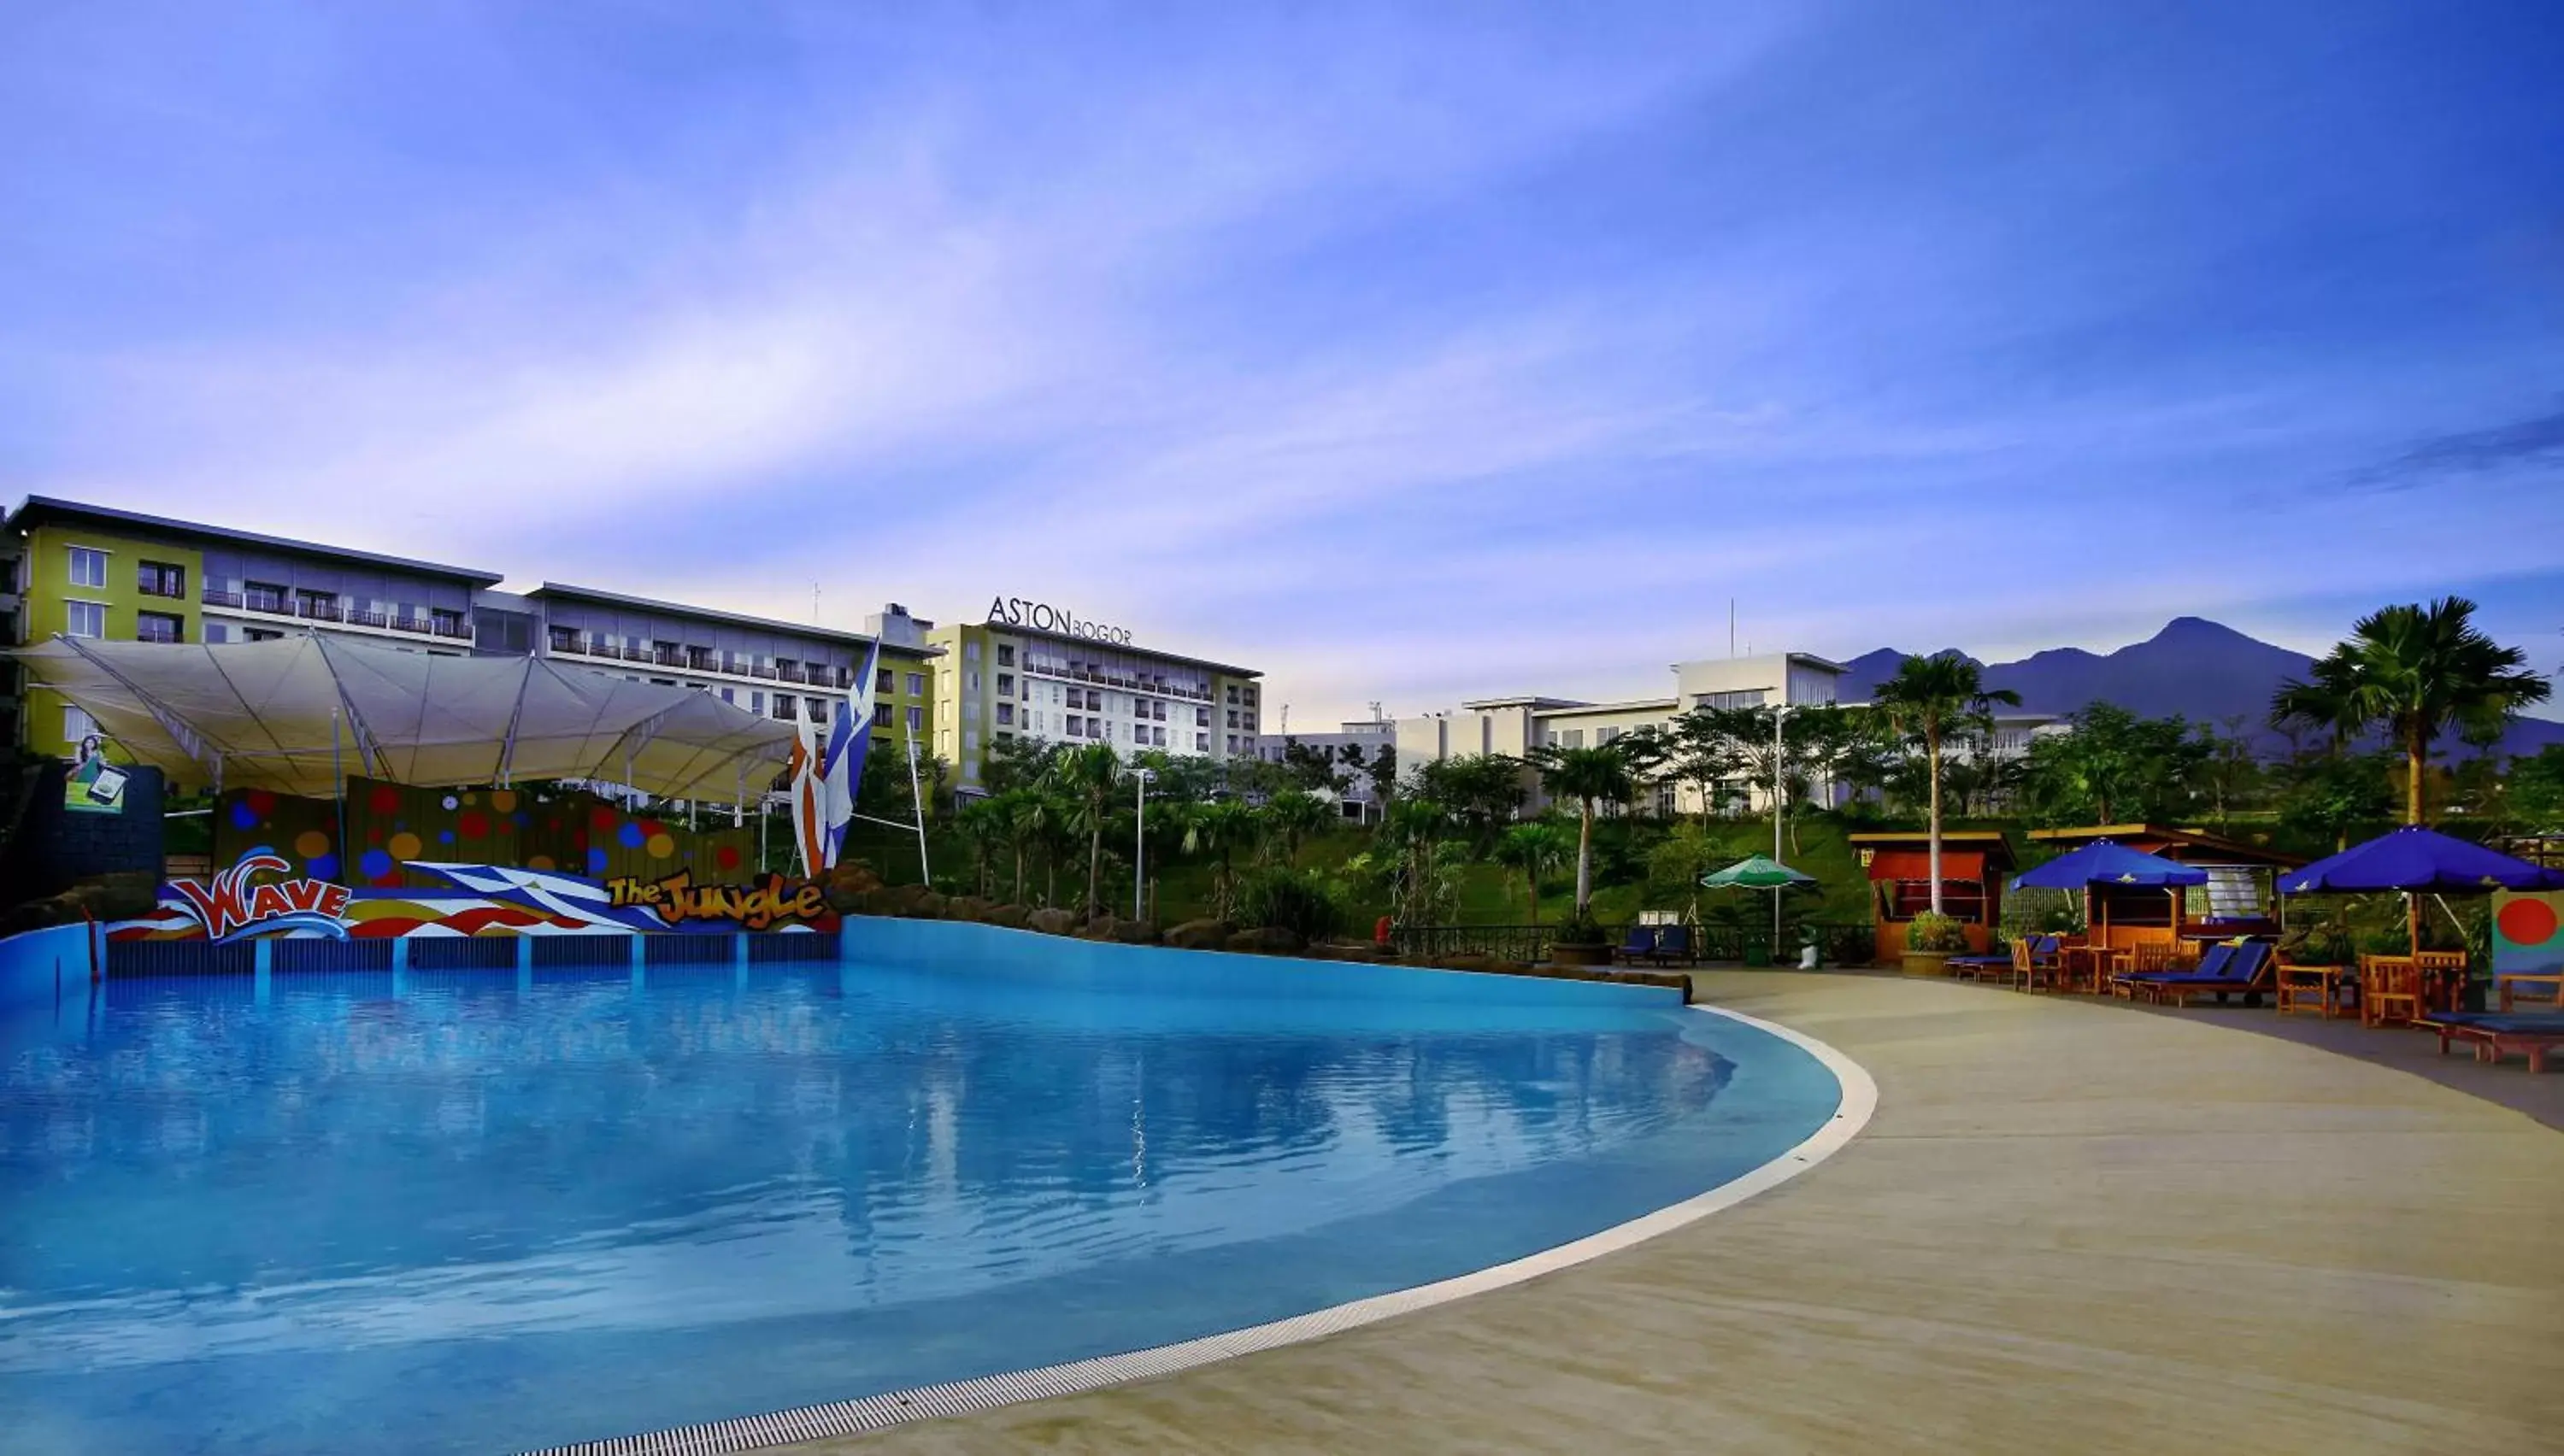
(2071, 1227)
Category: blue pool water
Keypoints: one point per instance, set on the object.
(475, 1211)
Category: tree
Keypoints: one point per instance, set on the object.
(1483, 792)
(2232, 770)
(1591, 777)
(1312, 767)
(2417, 671)
(1535, 849)
(1085, 777)
(1220, 829)
(1012, 763)
(983, 825)
(1293, 815)
(2536, 793)
(1381, 766)
(1928, 699)
(1415, 831)
(2112, 767)
(2332, 795)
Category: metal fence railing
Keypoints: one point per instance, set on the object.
(1837, 942)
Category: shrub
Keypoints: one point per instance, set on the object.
(1582, 929)
(2316, 945)
(1931, 931)
(1276, 897)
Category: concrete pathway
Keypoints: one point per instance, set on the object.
(2071, 1228)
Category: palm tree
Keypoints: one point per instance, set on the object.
(1931, 697)
(1219, 829)
(1417, 826)
(982, 823)
(1087, 777)
(1534, 848)
(1020, 811)
(1591, 777)
(2417, 671)
(1292, 815)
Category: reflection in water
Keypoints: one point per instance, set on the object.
(344, 1163)
(473, 1212)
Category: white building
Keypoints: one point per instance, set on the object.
(1514, 725)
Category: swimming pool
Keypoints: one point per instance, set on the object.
(475, 1211)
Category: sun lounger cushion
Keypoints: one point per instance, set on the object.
(2507, 1023)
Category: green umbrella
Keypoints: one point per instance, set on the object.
(1761, 872)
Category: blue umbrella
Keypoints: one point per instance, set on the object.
(2418, 860)
(2104, 862)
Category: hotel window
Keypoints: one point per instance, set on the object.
(1605, 736)
(1233, 692)
(1232, 742)
(1202, 743)
(445, 621)
(1005, 685)
(260, 634)
(1202, 719)
(970, 709)
(320, 604)
(266, 597)
(969, 740)
(76, 725)
(1574, 738)
(756, 704)
(818, 710)
(564, 639)
(216, 632)
(159, 579)
(1076, 726)
(1156, 737)
(1005, 714)
(916, 718)
(87, 619)
(1232, 717)
(1749, 698)
(1158, 711)
(970, 650)
(1006, 655)
(730, 696)
(89, 567)
(970, 679)
(916, 685)
(159, 627)
(885, 681)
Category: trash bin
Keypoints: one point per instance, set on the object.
(1758, 950)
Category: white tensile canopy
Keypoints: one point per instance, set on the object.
(293, 713)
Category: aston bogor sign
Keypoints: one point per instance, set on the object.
(1016, 611)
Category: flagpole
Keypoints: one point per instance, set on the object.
(917, 800)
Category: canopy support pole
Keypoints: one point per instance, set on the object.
(369, 753)
(185, 734)
(507, 744)
(339, 791)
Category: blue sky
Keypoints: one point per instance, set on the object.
(1408, 354)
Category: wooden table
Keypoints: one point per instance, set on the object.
(2095, 964)
(2315, 988)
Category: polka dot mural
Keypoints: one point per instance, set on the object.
(393, 825)
(2529, 933)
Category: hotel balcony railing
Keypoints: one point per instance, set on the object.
(214, 598)
(161, 589)
(459, 631)
(317, 611)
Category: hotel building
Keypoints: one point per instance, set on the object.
(1514, 725)
(90, 571)
(1072, 682)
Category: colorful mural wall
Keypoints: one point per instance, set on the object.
(2527, 932)
(394, 827)
(262, 896)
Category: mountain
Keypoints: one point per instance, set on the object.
(2202, 669)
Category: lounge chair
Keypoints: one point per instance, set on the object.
(1980, 967)
(2245, 972)
(1641, 944)
(2534, 986)
(2127, 985)
(2493, 1033)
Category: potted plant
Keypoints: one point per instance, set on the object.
(1930, 940)
(1580, 939)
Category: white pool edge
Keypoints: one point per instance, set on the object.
(879, 1412)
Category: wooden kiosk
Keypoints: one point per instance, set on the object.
(1974, 866)
(2238, 899)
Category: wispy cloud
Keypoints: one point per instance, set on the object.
(1407, 358)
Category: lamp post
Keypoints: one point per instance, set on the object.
(1779, 803)
(1140, 845)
